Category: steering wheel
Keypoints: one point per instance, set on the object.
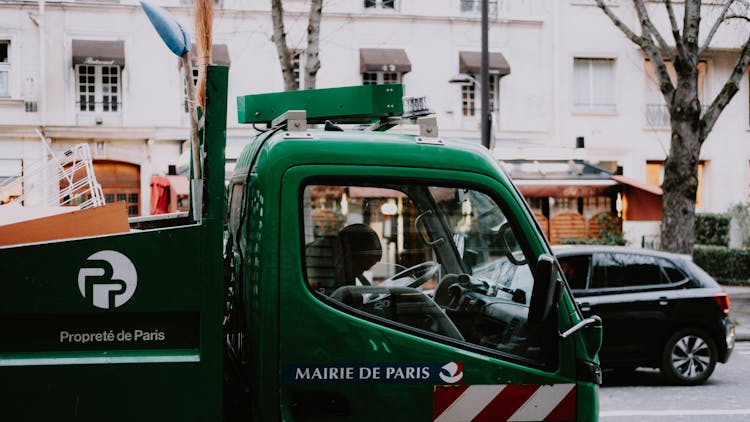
(404, 278)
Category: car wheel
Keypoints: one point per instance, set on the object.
(689, 357)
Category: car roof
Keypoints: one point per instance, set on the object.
(570, 250)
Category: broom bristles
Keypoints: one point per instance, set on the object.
(204, 18)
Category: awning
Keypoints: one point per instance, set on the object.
(219, 54)
(99, 52)
(640, 201)
(638, 185)
(564, 188)
(383, 60)
(470, 62)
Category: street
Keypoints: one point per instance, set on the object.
(644, 396)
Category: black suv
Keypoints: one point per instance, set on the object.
(658, 309)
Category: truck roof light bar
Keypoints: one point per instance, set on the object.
(363, 104)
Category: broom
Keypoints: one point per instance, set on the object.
(204, 17)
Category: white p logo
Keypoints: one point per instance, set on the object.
(110, 280)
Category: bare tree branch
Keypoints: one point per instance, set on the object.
(312, 62)
(646, 42)
(619, 24)
(742, 17)
(675, 30)
(648, 27)
(722, 17)
(727, 92)
(279, 38)
(655, 54)
(660, 69)
(691, 22)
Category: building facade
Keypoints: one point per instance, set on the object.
(565, 84)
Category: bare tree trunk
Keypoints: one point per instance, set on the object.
(279, 38)
(681, 166)
(680, 187)
(312, 62)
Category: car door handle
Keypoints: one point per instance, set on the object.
(663, 301)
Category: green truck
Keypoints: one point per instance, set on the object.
(345, 272)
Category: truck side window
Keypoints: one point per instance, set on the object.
(436, 261)
(235, 208)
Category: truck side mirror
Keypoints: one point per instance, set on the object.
(545, 289)
(511, 248)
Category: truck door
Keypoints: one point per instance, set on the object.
(408, 298)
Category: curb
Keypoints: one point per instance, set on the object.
(739, 298)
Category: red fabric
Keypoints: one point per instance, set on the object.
(159, 195)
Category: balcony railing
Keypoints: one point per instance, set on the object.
(657, 116)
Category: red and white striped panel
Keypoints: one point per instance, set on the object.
(507, 402)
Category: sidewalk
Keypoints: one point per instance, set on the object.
(739, 310)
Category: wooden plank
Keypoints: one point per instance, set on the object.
(107, 219)
(566, 225)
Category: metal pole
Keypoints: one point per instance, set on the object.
(485, 80)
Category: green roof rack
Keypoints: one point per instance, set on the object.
(362, 104)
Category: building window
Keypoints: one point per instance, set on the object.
(380, 4)
(4, 68)
(470, 104)
(380, 66)
(475, 7)
(593, 85)
(657, 112)
(98, 88)
(655, 177)
(381, 78)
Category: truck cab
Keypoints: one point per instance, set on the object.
(377, 275)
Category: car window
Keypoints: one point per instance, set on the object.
(671, 272)
(625, 270)
(576, 270)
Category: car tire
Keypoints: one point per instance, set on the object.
(689, 357)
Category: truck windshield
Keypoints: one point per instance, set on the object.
(442, 260)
